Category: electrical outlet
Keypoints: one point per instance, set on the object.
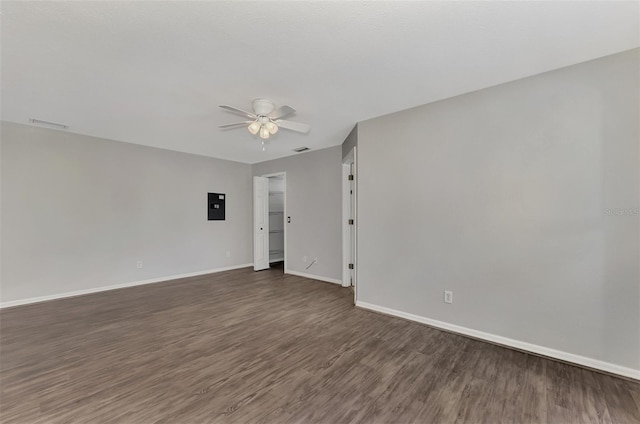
(228, 254)
(139, 264)
(304, 259)
(315, 260)
(448, 296)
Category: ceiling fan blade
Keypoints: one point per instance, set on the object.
(238, 111)
(235, 124)
(281, 112)
(293, 126)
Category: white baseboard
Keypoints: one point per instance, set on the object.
(314, 277)
(540, 350)
(116, 286)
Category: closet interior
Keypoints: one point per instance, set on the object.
(276, 219)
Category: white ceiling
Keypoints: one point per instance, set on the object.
(153, 73)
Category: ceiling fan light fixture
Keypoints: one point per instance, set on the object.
(265, 120)
(254, 127)
(271, 127)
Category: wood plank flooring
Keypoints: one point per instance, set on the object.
(247, 347)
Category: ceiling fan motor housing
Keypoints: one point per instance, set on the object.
(262, 107)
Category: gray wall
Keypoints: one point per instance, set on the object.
(523, 199)
(350, 142)
(314, 203)
(78, 212)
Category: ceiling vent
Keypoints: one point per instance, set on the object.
(48, 124)
(301, 149)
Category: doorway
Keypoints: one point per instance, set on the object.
(349, 222)
(269, 199)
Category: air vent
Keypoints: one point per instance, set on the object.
(301, 149)
(48, 123)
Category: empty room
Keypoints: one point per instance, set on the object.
(320, 212)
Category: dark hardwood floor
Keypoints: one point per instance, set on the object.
(248, 347)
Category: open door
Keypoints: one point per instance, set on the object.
(352, 226)
(260, 223)
(349, 223)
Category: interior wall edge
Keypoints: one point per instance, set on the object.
(314, 277)
(20, 302)
(505, 341)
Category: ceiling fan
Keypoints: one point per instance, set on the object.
(265, 119)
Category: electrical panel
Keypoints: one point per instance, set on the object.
(215, 206)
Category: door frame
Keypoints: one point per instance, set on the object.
(349, 159)
(282, 174)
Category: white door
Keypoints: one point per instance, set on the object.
(260, 223)
(352, 229)
(349, 223)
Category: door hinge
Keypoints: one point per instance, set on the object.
(350, 266)
(351, 177)
(351, 222)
